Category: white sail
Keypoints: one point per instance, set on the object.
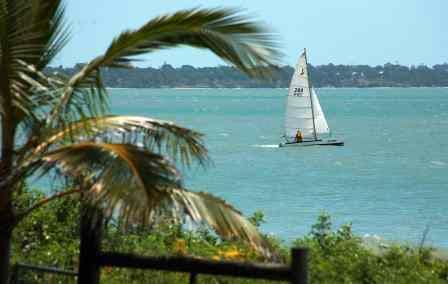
(319, 118)
(298, 105)
(304, 113)
(302, 106)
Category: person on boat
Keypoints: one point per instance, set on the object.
(299, 137)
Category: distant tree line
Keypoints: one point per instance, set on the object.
(330, 75)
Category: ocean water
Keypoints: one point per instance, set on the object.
(390, 179)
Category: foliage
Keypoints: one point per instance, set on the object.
(51, 233)
(49, 237)
(257, 218)
(126, 165)
(341, 257)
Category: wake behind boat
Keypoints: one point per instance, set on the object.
(305, 123)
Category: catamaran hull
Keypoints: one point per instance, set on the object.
(330, 142)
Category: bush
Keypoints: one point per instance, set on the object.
(49, 236)
(341, 257)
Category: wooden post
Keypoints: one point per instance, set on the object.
(91, 234)
(193, 277)
(14, 279)
(299, 266)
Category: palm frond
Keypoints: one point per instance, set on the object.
(31, 33)
(83, 95)
(163, 137)
(140, 186)
(109, 164)
(241, 42)
(49, 16)
(113, 174)
(38, 30)
(227, 33)
(31, 105)
(180, 205)
(157, 136)
(228, 222)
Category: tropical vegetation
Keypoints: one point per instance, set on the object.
(60, 126)
(49, 237)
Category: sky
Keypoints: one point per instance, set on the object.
(372, 32)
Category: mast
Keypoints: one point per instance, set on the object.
(311, 95)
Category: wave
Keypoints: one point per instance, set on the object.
(266, 145)
(438, 164)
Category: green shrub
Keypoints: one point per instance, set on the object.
(341, 257)
(49, 236)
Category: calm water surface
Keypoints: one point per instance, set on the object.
(390, 179)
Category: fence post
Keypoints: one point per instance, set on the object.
(193, 277)
(14, 274)
(299, 266)
(91, 234)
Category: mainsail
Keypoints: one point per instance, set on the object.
(303, 110)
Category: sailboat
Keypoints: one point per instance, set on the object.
(305, 123)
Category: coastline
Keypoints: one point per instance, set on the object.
(273, 88)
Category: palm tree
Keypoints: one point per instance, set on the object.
(51, 124)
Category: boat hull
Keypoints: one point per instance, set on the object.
(328, 142)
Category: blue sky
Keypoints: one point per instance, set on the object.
(373, 32)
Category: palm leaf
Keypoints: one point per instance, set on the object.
(48, 16)
(228, 34)
(140, 169)
(180, 205)
(159, 136)
(140, 186)
(83, 95)
(31, 33)
(229, 223)
(236, 39)
(115, 173)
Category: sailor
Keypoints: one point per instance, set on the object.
(299, 137)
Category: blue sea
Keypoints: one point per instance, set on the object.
(389, 180)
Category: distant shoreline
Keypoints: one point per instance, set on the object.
(282, 88)
(328, 76)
